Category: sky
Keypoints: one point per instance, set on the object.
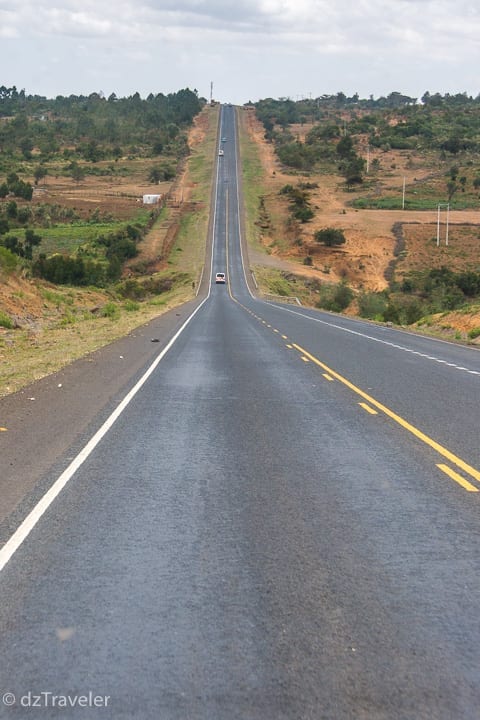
(248, 49)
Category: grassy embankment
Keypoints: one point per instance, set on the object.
(65, 323)
(255, 186)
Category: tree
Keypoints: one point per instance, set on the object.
(39, 173)
(31, 240)
(77, 172)
(330, 237)
(452, 188)
(352, 170)
(345, 147)
(155, 175)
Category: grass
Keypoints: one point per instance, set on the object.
(28, 355)
(5, 321)
(419, 203)
(188, 252)
(67, 237)
(77, 321)
(253, 185)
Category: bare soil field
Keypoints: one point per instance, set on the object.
(371, 239)
(378, 242)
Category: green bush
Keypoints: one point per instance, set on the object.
(372, 305)
(5, 321)
(474, 333)
(110, 310)
(335, 297)
(8, 261)
(330, 236)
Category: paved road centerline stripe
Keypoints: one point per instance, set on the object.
(368, 408)
(382, 341)
(473, 472)
(458, 478)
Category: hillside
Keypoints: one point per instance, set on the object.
(44, 326)
(381, 245)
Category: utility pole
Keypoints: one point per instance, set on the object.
(447, 205)
(211, 92)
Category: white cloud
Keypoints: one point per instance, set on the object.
(256, 48)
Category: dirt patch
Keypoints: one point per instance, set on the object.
(371, 244)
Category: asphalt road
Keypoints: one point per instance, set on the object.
(281, 522)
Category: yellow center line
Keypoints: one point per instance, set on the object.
(404, 423)
(458, 478)
(368, 408)
(327, 377)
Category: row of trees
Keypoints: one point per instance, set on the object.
(447, 124)
(93, 127)
(285, 111)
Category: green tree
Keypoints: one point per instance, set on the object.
(77, 172)
(31, 240)
(330, 237)
(352, 170)
(39, 173)
(345, 147)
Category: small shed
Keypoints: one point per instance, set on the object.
(151, 199)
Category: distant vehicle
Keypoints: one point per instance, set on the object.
(220, 152)
(224, 139)
(220, 278)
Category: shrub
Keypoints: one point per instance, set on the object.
(335, 297)
(372, 305)
(5, 321)
(8, 261)
(110, 310)
(330, 236)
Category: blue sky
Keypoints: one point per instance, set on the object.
(249, 49)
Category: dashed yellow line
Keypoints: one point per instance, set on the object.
(473, 472)
(458, 478)
(332, 375)
(368, 409)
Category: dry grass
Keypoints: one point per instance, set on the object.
(55, 324)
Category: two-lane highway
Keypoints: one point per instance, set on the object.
(264, 530)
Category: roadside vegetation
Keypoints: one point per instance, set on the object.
(74, 273)
(348, 144)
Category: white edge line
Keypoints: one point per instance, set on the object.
(373, 338)
(242, 260)
(26, 527)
